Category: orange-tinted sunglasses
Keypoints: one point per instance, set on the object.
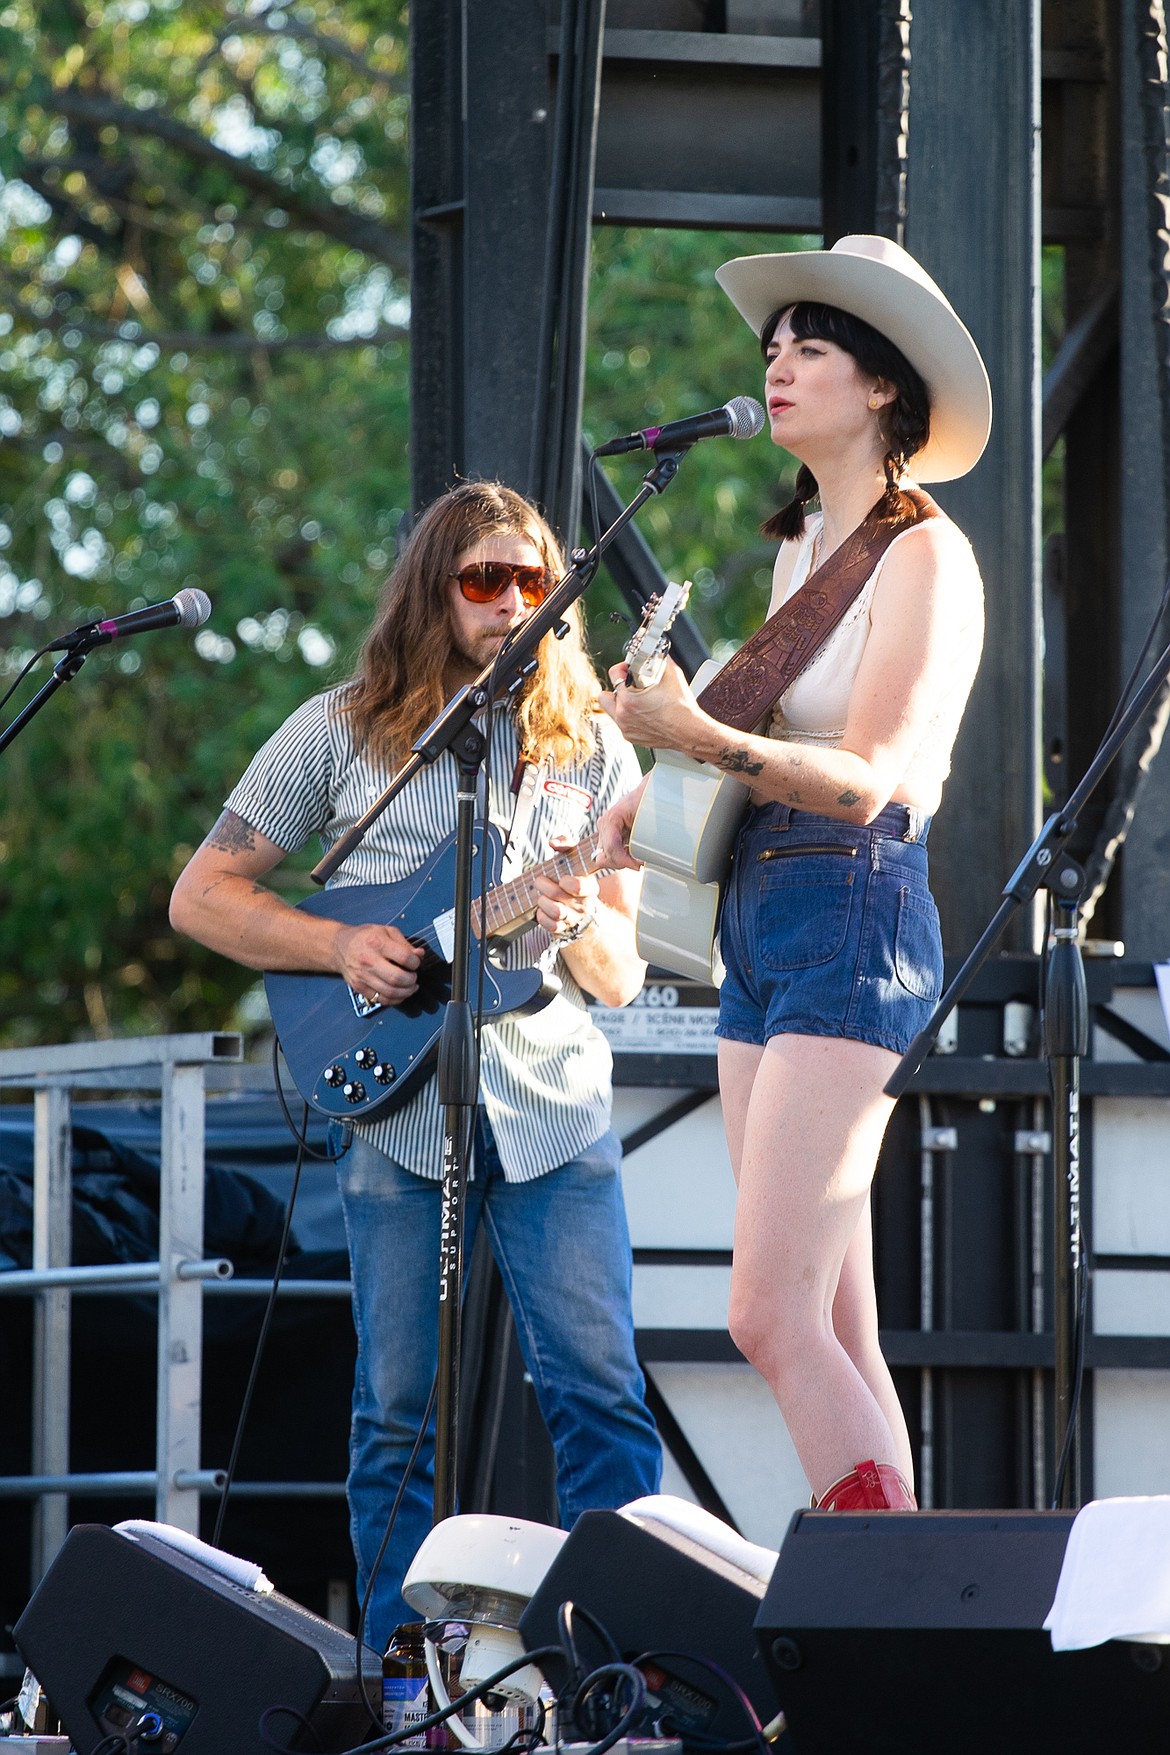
(484, 581)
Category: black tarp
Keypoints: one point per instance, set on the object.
(298, 1429)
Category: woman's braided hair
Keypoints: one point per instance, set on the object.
(905, 422)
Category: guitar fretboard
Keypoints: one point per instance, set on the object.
(508, 904)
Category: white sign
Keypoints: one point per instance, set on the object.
(655, 1023)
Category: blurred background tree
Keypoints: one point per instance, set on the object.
(203, 382)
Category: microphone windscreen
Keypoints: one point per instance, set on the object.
(194, 607)
(747, 417)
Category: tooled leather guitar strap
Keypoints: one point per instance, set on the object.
(752, 681)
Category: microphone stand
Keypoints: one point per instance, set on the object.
(458, 1071)
(1047, 866)
(64, 671)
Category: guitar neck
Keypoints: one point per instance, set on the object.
(512, 905)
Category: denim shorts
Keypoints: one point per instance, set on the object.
(829, 929)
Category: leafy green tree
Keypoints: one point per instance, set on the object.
(203, 382)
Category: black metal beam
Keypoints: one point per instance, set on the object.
(962, 1350)
(703, 128)
(972, 209)
(1143, 513)
(479, 199)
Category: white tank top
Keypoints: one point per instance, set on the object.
(815, 708)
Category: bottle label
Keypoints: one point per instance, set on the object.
(405, 1701)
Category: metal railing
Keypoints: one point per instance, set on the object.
(176, 1067)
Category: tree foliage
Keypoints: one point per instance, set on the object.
(203, 382)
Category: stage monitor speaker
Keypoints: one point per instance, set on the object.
(921, 1632)
(666, 1593)
(118, 1628)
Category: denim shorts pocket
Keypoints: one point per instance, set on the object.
(804, 913)
(918, 945)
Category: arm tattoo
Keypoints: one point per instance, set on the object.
(738, 762)
(849, 799)
(232, 834)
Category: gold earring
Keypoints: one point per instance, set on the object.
(874, 401)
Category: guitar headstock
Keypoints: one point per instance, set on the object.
(647, 651)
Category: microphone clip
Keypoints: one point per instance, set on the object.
(664, 468)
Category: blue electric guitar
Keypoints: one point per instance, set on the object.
(352, 1058)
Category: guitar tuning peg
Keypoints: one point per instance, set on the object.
(615, 615)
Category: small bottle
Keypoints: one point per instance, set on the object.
(406, 1695)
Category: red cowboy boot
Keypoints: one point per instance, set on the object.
(869, 1487)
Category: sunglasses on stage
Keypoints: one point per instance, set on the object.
(484, 581)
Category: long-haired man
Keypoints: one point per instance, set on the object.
(545, 1180)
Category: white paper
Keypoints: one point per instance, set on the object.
(1115, 1579)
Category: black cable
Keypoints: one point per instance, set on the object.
(594, 507)
(620, 1673)
(393, 1739)
(729, 1682)
(1136, 668)
(1080, 1327)
(301, 1135)
(529, 1738)
(8, 694)
(265, 1324)
(484, 826)
(1133, 766)
(567, 1613)
(1077, 1242)
(363, 1610)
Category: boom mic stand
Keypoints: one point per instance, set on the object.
(458, 1071)
(1047, 866)
(64, 671)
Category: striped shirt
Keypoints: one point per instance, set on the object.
(545, 1079)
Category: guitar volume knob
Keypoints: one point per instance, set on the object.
(334, 1075)
(364, 1057)
(354, 1091)
(384, 1073)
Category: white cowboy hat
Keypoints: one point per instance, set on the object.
(877, 280)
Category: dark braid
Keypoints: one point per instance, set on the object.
(905, 421)
(789, 520)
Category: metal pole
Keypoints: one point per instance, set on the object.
(180, 1300)
(51, 1248)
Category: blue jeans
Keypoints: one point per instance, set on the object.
(563, 1251)
(829, 929)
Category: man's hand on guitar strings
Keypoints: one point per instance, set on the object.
(378, 962)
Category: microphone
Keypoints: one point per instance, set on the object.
(741, 418)
(187, 609)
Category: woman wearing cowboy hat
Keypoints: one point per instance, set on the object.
(828, 930)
